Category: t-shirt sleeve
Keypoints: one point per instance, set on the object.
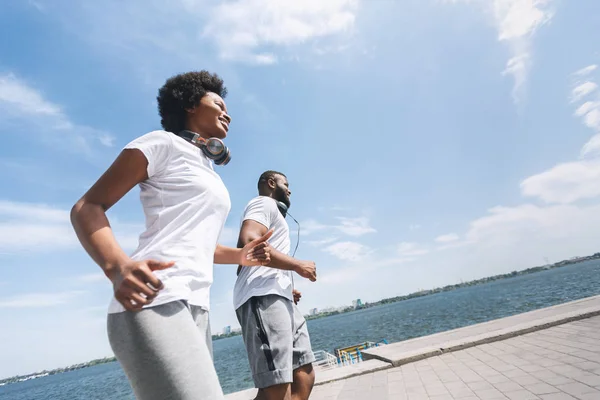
(262, 210)
(156, 146)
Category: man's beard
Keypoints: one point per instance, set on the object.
(281, 196)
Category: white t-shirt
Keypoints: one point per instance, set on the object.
(260, 281)
(185, 204)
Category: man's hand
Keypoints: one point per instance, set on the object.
(297, 296)
(135, 284)
(307, 269)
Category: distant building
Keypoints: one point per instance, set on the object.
(227, 330)
(357, 303)
(313, 311)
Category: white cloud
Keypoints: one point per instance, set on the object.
(322, 242)
(23, 103)
(349, 251)
(586, 70)
(411, 249)
(106, 140)
(516, 22)
(359, 272)
(518, 67)
(518, 19)
(591, 148)
(31, 211)
(582, 90)
(586, 107)
(34, 227)
(248, 30)
(335, 208)
(311, 226)
(569, 182)
(17, 97)
(414, 227)
(340, 208)
(558, 229)
(341, 275)
(508, 223)
(18, 237)
(348, 226)
(355, 226)
(454, 245)
(577, 180)
(450, 237)
(393, 261)
(565, 183)
(590, 113)
(502, 240)
(38, 300)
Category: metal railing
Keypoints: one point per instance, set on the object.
(346, 356)
(325, 359)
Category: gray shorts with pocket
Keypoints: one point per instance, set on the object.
(276, 339)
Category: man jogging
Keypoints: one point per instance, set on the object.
(273, 328)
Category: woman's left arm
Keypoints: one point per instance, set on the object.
(255, 253)
(227, 255)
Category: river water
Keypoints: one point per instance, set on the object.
(393, 322)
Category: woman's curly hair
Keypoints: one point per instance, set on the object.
(184, 91)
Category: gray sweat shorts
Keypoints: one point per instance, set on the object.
(276, 339)
(166, 352)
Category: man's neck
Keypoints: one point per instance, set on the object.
(267, 195)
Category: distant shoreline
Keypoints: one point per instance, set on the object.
(447, 288)
(22, 378)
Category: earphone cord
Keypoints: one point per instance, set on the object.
(296, 248)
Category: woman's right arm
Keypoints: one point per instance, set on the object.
(130, 278)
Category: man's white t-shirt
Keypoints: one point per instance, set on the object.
(261, 281)
(185, 204)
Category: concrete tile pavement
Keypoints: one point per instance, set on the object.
(457, 339)
(558, 363)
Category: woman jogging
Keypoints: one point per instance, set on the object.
(158, 325)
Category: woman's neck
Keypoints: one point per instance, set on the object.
(198, 131)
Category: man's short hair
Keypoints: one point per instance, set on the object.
(265, 176)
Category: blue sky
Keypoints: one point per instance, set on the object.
(426, 142)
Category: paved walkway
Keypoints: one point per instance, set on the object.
(457, 339)
(559, 363)
(556, 360)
